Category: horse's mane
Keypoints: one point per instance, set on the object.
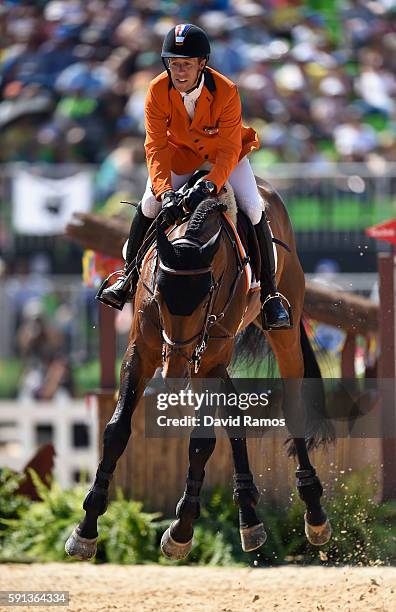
(201, 213)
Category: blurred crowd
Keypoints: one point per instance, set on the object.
(317, 85)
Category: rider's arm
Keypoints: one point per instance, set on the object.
(156, 145)
(230, 141)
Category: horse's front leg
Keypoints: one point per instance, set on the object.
(245, 493)
(176, 542)
(82, 542)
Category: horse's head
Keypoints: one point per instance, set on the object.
(186, 287)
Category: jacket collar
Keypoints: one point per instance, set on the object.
(209, 81)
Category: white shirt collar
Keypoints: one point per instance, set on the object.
(190, 99)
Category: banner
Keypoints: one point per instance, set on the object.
(43, 206)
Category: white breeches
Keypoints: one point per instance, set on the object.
(241, 180)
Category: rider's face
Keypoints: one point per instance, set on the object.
(185, 71)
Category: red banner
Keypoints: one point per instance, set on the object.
(383, 231)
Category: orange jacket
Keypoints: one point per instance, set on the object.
(216, 134)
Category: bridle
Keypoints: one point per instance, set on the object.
(202, 337)
(210, 319)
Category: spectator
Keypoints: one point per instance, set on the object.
(73, 74)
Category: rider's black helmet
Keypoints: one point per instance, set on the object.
(186, 40)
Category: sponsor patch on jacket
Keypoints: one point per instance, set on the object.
(180, 32)
(211, 130)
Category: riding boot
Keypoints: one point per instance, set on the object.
(116, 295)
(273, 314)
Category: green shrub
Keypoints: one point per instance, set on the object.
(12, 505)
(40, 531)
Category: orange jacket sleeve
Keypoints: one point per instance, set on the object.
(230, 137)
(156, 144)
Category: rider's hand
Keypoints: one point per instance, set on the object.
(170, 206)
(201, 191)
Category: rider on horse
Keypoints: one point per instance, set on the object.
(193, 116)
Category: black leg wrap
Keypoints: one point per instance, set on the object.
(308, 485)
(189, 505)
(310, 491)
(245, 491)
(97, 498)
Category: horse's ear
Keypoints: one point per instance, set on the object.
(166, 249)
(209, 249)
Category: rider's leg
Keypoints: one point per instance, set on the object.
(273, 313)
(115, 295)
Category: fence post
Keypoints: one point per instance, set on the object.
(387, 369)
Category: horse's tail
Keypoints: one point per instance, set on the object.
(321, 431)
(250, 350)
(252, 347)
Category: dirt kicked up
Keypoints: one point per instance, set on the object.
(144, 588)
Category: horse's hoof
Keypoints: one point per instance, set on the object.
(317, 534)
(172, 549)
(80, 548)
(253, 537)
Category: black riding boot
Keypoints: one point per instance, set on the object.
(115, 295)
(273, 314)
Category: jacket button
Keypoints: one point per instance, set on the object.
(196, 139)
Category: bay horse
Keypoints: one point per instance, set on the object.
(191, 302)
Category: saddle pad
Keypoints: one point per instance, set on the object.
(251, 281)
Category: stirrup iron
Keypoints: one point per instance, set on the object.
(279, 295)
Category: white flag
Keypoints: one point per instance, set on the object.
(43, 206)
